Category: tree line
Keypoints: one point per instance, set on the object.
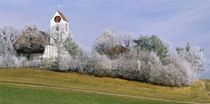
(147, 58)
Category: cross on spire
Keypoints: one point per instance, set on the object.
(59, 5)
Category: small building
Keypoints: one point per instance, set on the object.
(115, 51)
(31, 43)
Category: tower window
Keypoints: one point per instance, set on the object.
(66, 27)
(57, 28)
(57, 19)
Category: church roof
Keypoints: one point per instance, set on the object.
(61, 14)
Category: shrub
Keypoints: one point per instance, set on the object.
(178, 73)
(64, 62)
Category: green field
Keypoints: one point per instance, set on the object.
(30, 95)
(195, 93)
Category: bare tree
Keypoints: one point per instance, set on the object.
(127, 40)
(106, 40)
(57, 37)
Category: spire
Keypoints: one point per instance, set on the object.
(59, 5)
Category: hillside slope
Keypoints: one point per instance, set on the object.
(207, 85)
(195, 93)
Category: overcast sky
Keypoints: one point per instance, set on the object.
(174, 21)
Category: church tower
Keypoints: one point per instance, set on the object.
(59, 19)
(57, 23)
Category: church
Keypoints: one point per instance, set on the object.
(59, 33)
(35, 43)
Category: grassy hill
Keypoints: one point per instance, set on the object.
(195, 93)
(207, 85)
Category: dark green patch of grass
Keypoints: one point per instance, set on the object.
(32, 95)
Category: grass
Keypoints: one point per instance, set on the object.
(29, 95)
(194, 93)
(207, 85)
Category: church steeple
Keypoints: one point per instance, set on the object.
(60, 19)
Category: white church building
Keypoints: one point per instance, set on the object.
(59, 31)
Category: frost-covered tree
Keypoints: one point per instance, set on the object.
(152, 44)
(102, 64)
(188, 47)
(126, 66)
(85, 61)
(177, 73)
(7, 36)
(90, 62)
(65, 61)
(127, 40)
(71, 47)
(106, 40)
(193, 55)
